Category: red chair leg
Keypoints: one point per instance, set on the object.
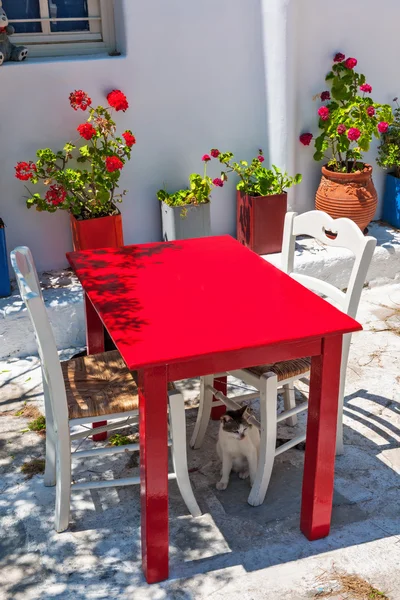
(220, 384)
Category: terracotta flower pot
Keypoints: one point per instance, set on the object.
(103, 232)
(351, 195)
(260, 221)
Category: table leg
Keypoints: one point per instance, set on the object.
(319, 462)
(153, 433)
(95, 345)
(221, 385)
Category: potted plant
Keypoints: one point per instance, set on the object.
(186, 213)
(348, 120)
(261, 202)
(82, 178)
(389, 158)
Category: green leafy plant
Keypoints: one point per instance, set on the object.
(119, 440)
(348, 120)
(254, 178)
(198, 192)
(83, 179)
(389, 149)
(38, 424)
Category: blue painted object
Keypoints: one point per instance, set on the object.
(391, 201)
(5, 287)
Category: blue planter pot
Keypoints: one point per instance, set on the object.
(5, 287)
(391, 201)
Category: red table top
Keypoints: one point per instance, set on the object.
(171, 301)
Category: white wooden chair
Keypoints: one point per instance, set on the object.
(267, 378)
(84, 391)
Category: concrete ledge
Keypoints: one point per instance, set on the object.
(334, 264)
(64, 299)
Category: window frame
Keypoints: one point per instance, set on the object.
(99, 39)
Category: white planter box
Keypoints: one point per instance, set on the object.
(194, 223)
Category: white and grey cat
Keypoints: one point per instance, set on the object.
(238, 446)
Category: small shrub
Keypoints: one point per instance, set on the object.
(38, 424)
(119, 440)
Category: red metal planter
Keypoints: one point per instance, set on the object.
(260, 221)
(104, 232)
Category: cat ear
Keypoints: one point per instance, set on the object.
(242, 410)
(225, 418)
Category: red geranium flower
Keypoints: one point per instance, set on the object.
(218, 182)
(113, 163)
(323, 113)
(341, 129)
(215, 153)
(129, 138)
(261, 158)
(116, 99)
(56, 194)
(353, 134)
(306, 138)
(370, 111)
(79, 99)
(383, 127)
(206, 158)
(325, 96)
(25, 171)
(86, 130)
(350, 63)
(366, 88)
(339, 57)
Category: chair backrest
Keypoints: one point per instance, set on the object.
(29, 287)
(321, 226)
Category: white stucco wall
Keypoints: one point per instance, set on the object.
(193, 74)
(232, 74)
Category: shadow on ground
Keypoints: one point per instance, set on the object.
(99, 556)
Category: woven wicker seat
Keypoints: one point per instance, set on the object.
(285, 369)
(99, 384)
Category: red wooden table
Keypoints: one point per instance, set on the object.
(161, 306)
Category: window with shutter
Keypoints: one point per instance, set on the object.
(62, 27)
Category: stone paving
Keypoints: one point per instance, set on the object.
(233, 551)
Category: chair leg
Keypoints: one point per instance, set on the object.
(203, 413)
(50, 465)
(289, 401)
(343, 370)
(179, 453)
(49, 479)
(268, 406)
(339, 432)
(63, 484)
